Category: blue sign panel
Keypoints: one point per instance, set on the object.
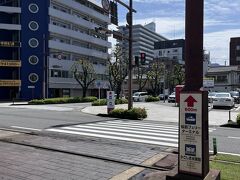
(190, 118)
(190, 150)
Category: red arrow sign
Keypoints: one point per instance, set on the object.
(190, 101)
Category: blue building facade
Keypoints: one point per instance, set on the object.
(35, 33)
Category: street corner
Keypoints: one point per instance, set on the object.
(95, 110)
(153, 168)
(8, 134)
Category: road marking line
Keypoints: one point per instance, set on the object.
(227, 153)
(167, 131)
(119, 134)
(26, 128)
(116, 138)
(127, 131)
(130, 128)
(231, 137)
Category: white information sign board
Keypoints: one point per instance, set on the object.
(110, 99)
(208, 83)
(190, 149)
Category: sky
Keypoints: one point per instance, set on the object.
(221, 22)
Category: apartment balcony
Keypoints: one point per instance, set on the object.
(71, 83)
(10, 9)
(79, 7)
(71, 18)
(66, 65)
(15, 27)
(76, 49)
(78, 35)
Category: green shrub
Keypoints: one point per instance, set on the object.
(62, 100)
(134, 113)
(101, 102)
(121, 101)
(74, 100)
(36, 101)
(89, 99)
(238, 119)
(152, 99)
(118, 113)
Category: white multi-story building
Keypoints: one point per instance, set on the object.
(143, 40)
(71, 28)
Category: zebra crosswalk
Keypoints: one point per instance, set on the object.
(134, 131)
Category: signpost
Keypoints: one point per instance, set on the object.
(190, 150)
(110, 101)
(193, 147)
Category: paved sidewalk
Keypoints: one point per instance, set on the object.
(164, 113)
(28, 163)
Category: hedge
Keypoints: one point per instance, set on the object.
(63, 100)
(103, 102)
(152, 99)
(134, 113)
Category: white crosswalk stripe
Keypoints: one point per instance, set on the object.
(134, 131)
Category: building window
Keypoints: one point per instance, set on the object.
(238, 58)
(33, 77)
(33, 25)
(33, 8)
(33, 60)
(238, 47)
(160, 53)
(175, 57)
(175, 50)
(221, 79)
(33, 42)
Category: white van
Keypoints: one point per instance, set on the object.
(140, 96)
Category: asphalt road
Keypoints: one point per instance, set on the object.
(42, 117)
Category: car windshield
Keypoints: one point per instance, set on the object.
(222, 95)
(212, 94)
(173, 93)
(234, 93)
(136, 94)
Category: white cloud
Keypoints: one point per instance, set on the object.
(218, 44)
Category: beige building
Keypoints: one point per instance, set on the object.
(226, 78)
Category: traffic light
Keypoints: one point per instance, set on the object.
(136, 61)
(114, 13)
(143, 58)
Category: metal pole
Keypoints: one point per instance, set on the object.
(130, 103)
(194, 45)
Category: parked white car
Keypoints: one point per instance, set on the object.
(140, 96)
(223, 99)
(172, 97)
(211, 95)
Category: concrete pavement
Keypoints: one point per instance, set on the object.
(31, 163)
(166, 113)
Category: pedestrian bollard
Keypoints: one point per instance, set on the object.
(214, 146)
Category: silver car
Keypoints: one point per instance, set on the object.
(223, 99)
(140, 96)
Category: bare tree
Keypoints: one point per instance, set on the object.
(117, 70)
(141, 77)
(84, 74)
(155, 75)
(178, 75)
